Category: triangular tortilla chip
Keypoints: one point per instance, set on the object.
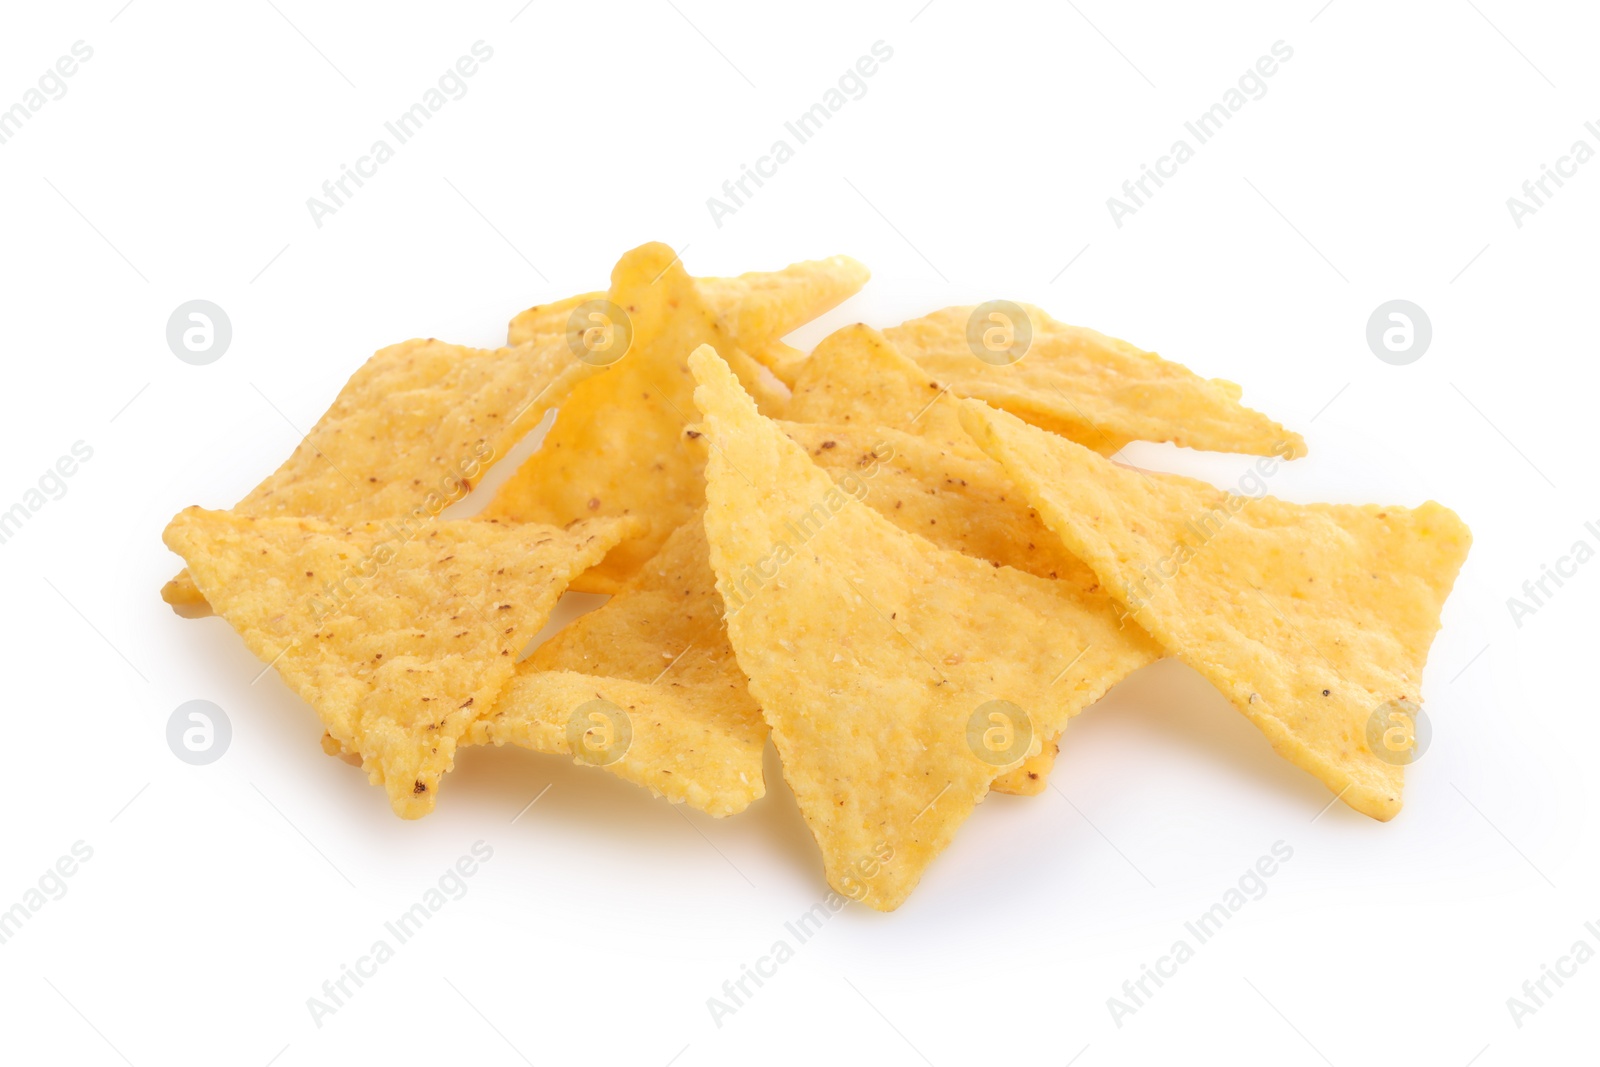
(1310, 618)
(924, 473)
(399, 636)
(617, 446)
(658, 650)
(409, 434)
(758, 308)
(966, 505)
(1094, 389)
(880, 660)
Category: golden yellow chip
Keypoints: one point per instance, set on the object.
(680, 720)
(1094, 389)
(617, 446)
(758, 308)
(409, 434)
(1314, 620)
(399, 634)
(898, 678)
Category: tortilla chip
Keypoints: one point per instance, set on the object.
(1310, 618)
(968, 506)
(399, 634)
(1093, 389)
(882, 662)
(617, 446)
(657, 650)
(409, 433)
(758, 307)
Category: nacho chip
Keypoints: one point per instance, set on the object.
(408, 435)
(617, 446)
(758, 307)
(1086, 386)
(898, 678)
(399, 634)
(1312, 619)
(659, 652)
(965, 505)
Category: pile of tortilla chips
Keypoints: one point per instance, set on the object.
(905, 557)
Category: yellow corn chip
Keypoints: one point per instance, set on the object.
(617, 446)
(408, 434)
(965, 505)
(758, 307)
(1084, 385)
(399, 634)
(1315, 620)
(898, 678)
(938, 483)
(658, 652)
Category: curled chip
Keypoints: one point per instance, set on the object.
(869, 649)
(617, 446)
(1094, 389)
(1309, 618)
(758, 308)
(398, 635)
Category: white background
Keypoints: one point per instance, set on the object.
(1377, 166)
